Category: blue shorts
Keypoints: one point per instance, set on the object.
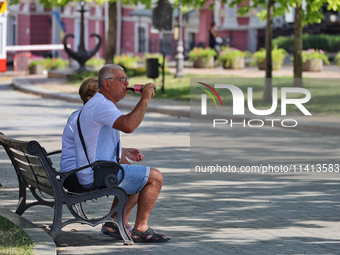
(135, 179)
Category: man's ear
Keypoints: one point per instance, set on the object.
(106, 85)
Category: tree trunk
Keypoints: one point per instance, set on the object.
(298, 46)
(111, 36)
(267, 89)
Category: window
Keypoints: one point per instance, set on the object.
(141, 37)
(11, 30)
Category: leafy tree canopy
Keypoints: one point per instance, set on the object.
(311, 14)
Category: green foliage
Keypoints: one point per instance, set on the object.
(329, 43)
(278, 56)
(13, 240)
(49, 63)
(126, 61)
(36, 60)
(229, 55)
(74, 78)
(197, 53)
(96, 63)
(130, 65)
(311, 14)
(337, 58)
(314, 54)
(135, 72)
(56, 63)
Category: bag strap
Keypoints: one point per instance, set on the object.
(83, 142)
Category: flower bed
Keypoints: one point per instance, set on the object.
(278, 57)
(202, 58)
(233, 58)
(313, 60)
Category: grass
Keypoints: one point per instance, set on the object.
(324, 101)
(13, 240)
(325, 93)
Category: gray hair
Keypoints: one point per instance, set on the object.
(106, 72)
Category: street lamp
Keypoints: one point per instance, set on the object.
(179, 56)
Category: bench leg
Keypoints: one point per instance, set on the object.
(57, 219)
(22, 207)
(119, 220)
(80, 211)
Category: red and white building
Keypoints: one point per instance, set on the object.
(30, 23)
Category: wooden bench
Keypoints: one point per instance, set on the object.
(35, 172)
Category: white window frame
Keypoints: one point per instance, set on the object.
(146, 27)
(10, 31)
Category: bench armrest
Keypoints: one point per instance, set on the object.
(93, 165)
(53, 152)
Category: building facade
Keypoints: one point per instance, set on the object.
(30, 23)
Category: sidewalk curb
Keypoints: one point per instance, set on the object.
(22, 84)
(44, 244)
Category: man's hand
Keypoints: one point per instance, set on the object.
(133, 154)
(129, 122)
(148, 90)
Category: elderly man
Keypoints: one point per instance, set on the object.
(87, 90)
(100, 122)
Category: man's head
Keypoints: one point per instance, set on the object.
(88, 88)
(112, 82)
(108, 72)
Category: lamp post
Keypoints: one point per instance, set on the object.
(179, 56)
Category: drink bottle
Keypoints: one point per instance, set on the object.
(137, 88)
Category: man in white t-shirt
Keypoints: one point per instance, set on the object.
(101, 122)
(87, 90)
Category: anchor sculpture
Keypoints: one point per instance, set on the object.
(81, 55)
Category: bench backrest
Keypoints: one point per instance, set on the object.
(30, 161)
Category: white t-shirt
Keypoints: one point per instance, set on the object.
(96, 120)
(68, 153)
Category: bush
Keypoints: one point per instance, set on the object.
(130, 65)
(314, 54)
(36, 60)
(229, 55)
(126, 61)
(329, 43)
(197, 53)
(56, 63)
(337, 58)
(96, 63)
(49, 63)
(278, 56)
(81, 76)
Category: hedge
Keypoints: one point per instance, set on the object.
(328, 43)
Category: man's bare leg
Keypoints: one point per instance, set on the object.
(147, 199)
(131, 202)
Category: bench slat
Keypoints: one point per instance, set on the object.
(25, 157)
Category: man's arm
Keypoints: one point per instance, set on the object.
(129, 122)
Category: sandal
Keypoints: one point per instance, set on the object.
(155, 237)
(106, 233)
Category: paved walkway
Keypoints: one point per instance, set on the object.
(220, 214)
